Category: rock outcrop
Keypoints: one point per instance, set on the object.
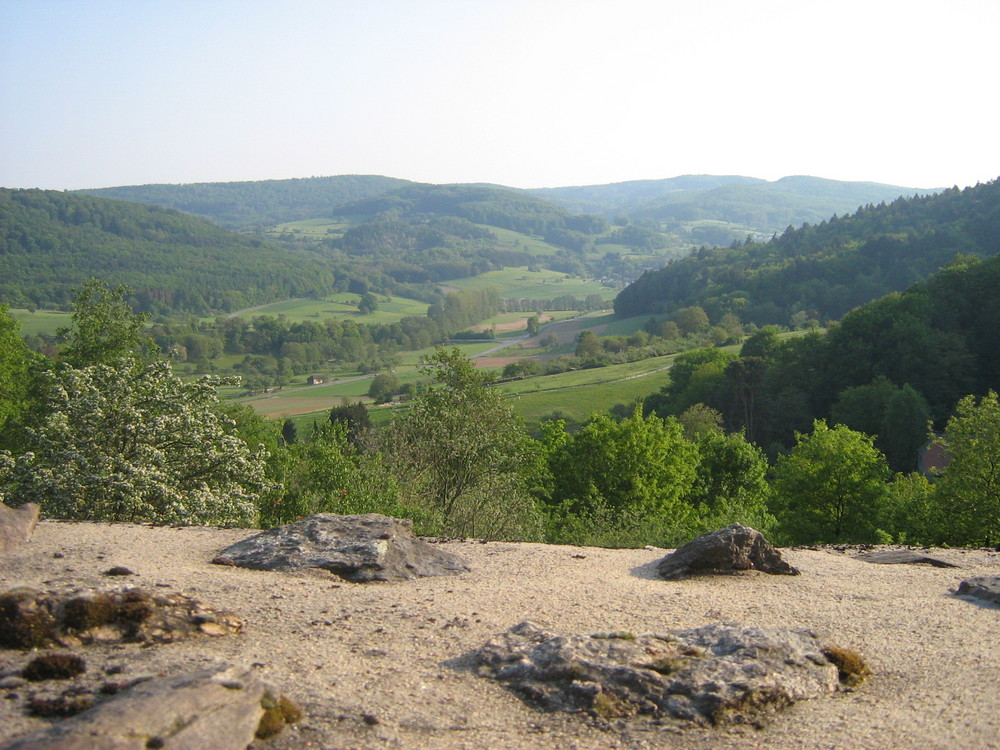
(986, 588)
(722, 673)
(733, 549)
(363, 548)
(222, 708)
(30, 618)
(902, 557)
(17, 525)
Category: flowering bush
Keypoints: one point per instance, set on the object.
(132, 442)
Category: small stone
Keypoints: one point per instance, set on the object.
(118, 570)
(986, 588)
(54, 667)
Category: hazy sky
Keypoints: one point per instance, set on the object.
(526, 93)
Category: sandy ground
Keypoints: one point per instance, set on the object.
(398, 653)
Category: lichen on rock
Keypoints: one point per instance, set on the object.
(724, 673)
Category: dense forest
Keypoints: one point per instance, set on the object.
(249, 206)
(887, 369)
(51, 242)
(823, 271)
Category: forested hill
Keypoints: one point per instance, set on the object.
(480, 204)
(625, 197)
(766, 207)
(253, 205)
(887, 369)
(51, 242)
(827, 269)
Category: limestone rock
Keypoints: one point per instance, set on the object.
(986, 588)
(215, 709)
(30, 618)
(722, 673)
(17, 525)
(902, 557)
(363, 548)
(729, 550)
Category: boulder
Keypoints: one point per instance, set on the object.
(17, 525)
(730, 550)
(902, 557)
(220, 708)
(364, 548)
(718, 674)
(986, 588)
(30, 618)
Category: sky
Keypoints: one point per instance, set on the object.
(524, 93)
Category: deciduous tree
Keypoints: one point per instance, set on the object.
(830, 487)
(968, 493)
(462, 455)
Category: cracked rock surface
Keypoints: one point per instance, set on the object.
(723, 673)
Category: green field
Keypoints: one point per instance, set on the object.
(40, 321)
(518, 281)
(576, 394)
(318, 229)
(525, 242)
(340, 306)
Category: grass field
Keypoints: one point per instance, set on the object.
(574, 395)
(40, 321)
(525, 242)
(518, 281)
(313, 228)
(340, 306)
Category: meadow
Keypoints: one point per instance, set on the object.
(339, 306)
(518, 282)
(41, 321)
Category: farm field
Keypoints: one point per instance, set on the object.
(574, 395)
(318, 229)
(339, 306)
(520, 241)
(576, 404)
(40, 321)
(517, 282)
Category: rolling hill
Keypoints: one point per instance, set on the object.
(254, 205)
(825, 270)
(51, 242)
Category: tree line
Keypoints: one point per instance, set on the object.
(104, 431)
(52, 242)
(825, 270)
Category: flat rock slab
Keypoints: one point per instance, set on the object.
(902, 557)
(730, 550)
(722, 673)
(986, 588)
(17, 525)
(362, 548)
(214, 709)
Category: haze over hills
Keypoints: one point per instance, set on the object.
(732, 199)
(51, 242)
(249, 205)
(825, 270)
(691, 210)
